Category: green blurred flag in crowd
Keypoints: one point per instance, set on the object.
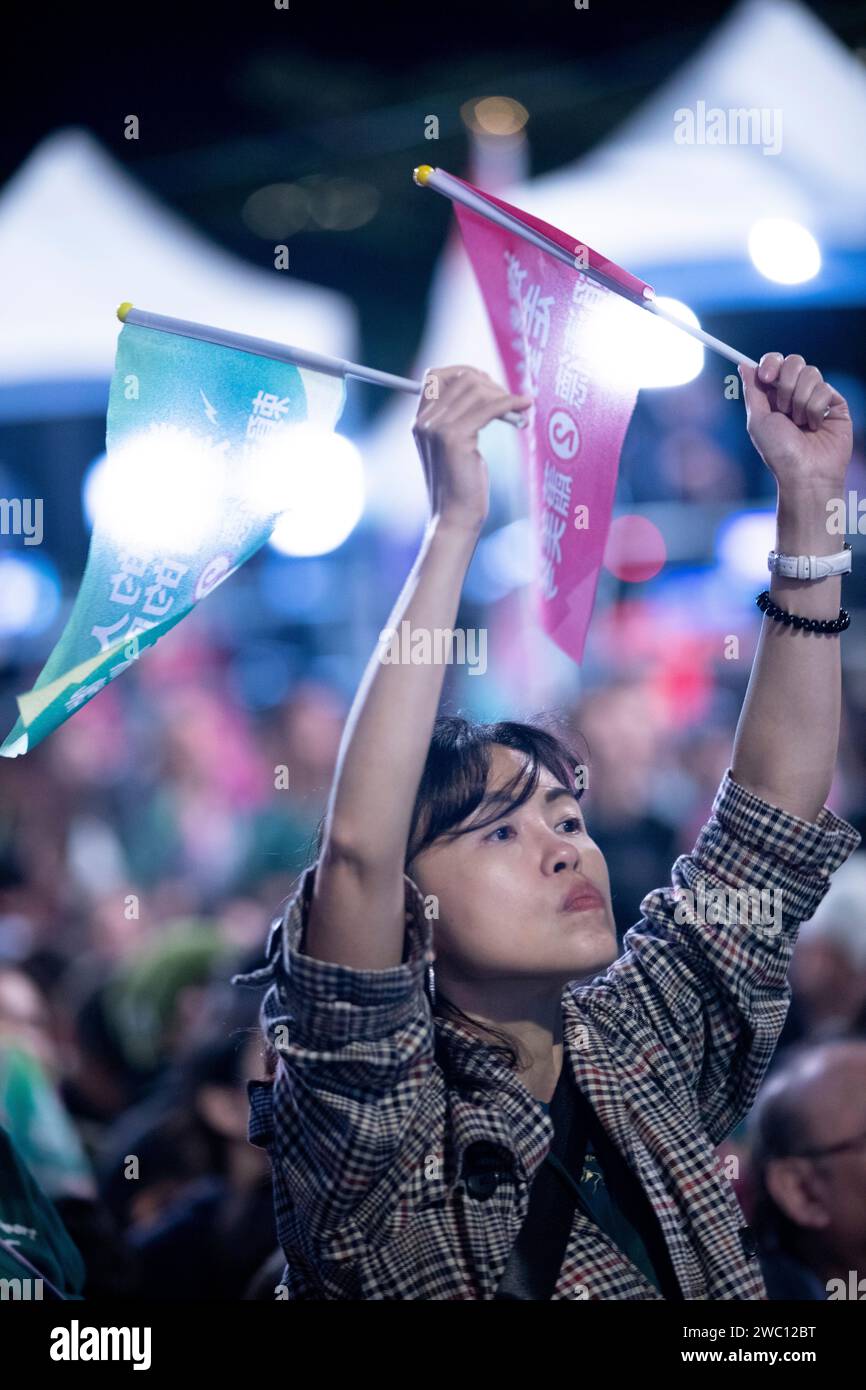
(198, 469)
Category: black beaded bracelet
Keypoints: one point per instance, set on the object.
(779, 615)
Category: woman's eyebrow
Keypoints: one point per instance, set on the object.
(490, 800)
(555, 793)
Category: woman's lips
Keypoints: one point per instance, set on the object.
(581, 899)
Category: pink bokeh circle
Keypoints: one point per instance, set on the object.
(635, 549)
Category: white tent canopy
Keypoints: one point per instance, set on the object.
(656, 205)
(676, 214)
(78, 236)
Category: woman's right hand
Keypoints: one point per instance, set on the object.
(455, 404)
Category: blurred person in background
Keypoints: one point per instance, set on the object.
(126, 1026)
(300, 742)
(688, 446)
(143, 1014)
(30, 1104)
(33, 1111)
(828, 971)
(192, 1195)
(195, 822)
(808, 1142)
(311, 724)
(702, 760)
(623, 727)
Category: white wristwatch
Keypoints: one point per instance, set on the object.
(810, 566)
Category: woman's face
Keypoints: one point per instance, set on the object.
(527, 896)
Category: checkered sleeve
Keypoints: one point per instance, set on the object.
(355, 1050)
(707, 965)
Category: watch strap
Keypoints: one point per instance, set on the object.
(809, 566)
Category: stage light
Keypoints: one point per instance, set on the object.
(167, 488)
(29, 595)
(324, 490)
(162, 488)
(784, 251)
(630, 344)
(670, 357)
(743, 543)
(90, 488)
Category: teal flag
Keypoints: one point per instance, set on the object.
(199, 464)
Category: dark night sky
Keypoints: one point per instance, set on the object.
(237, 96)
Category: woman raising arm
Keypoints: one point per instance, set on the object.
(404, 1145)
(357, 908)
(788, 734)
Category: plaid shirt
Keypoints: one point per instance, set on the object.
(396, 1178)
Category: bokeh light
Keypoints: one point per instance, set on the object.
(337, 204)
(164, 487)
(503, 562)
(743, 543)
(277, 210)
(631, 344)
(494, 115)
(340, 205)
(324, 493)
(635, 549)
(29, 595)
(784, 251)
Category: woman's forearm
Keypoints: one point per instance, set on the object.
(788, 734)
(389, 726)
(357, 911)
(787, 737)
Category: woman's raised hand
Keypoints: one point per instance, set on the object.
(455, 404)
(798, 422)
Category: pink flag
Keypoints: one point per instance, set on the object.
(560, 334)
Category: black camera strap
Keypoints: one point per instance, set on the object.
(536, 1257)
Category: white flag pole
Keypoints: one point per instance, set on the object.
(280, 352)
(438, 179)
(706, 338)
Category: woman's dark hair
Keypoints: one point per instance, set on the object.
(453, 786)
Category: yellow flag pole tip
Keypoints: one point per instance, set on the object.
(123, 309)
(422, 174)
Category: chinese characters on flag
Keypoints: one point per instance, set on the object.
(558, 330)
(199, 458)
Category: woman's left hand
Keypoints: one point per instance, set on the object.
(785, 405)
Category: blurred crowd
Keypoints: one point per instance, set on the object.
(144, 849)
